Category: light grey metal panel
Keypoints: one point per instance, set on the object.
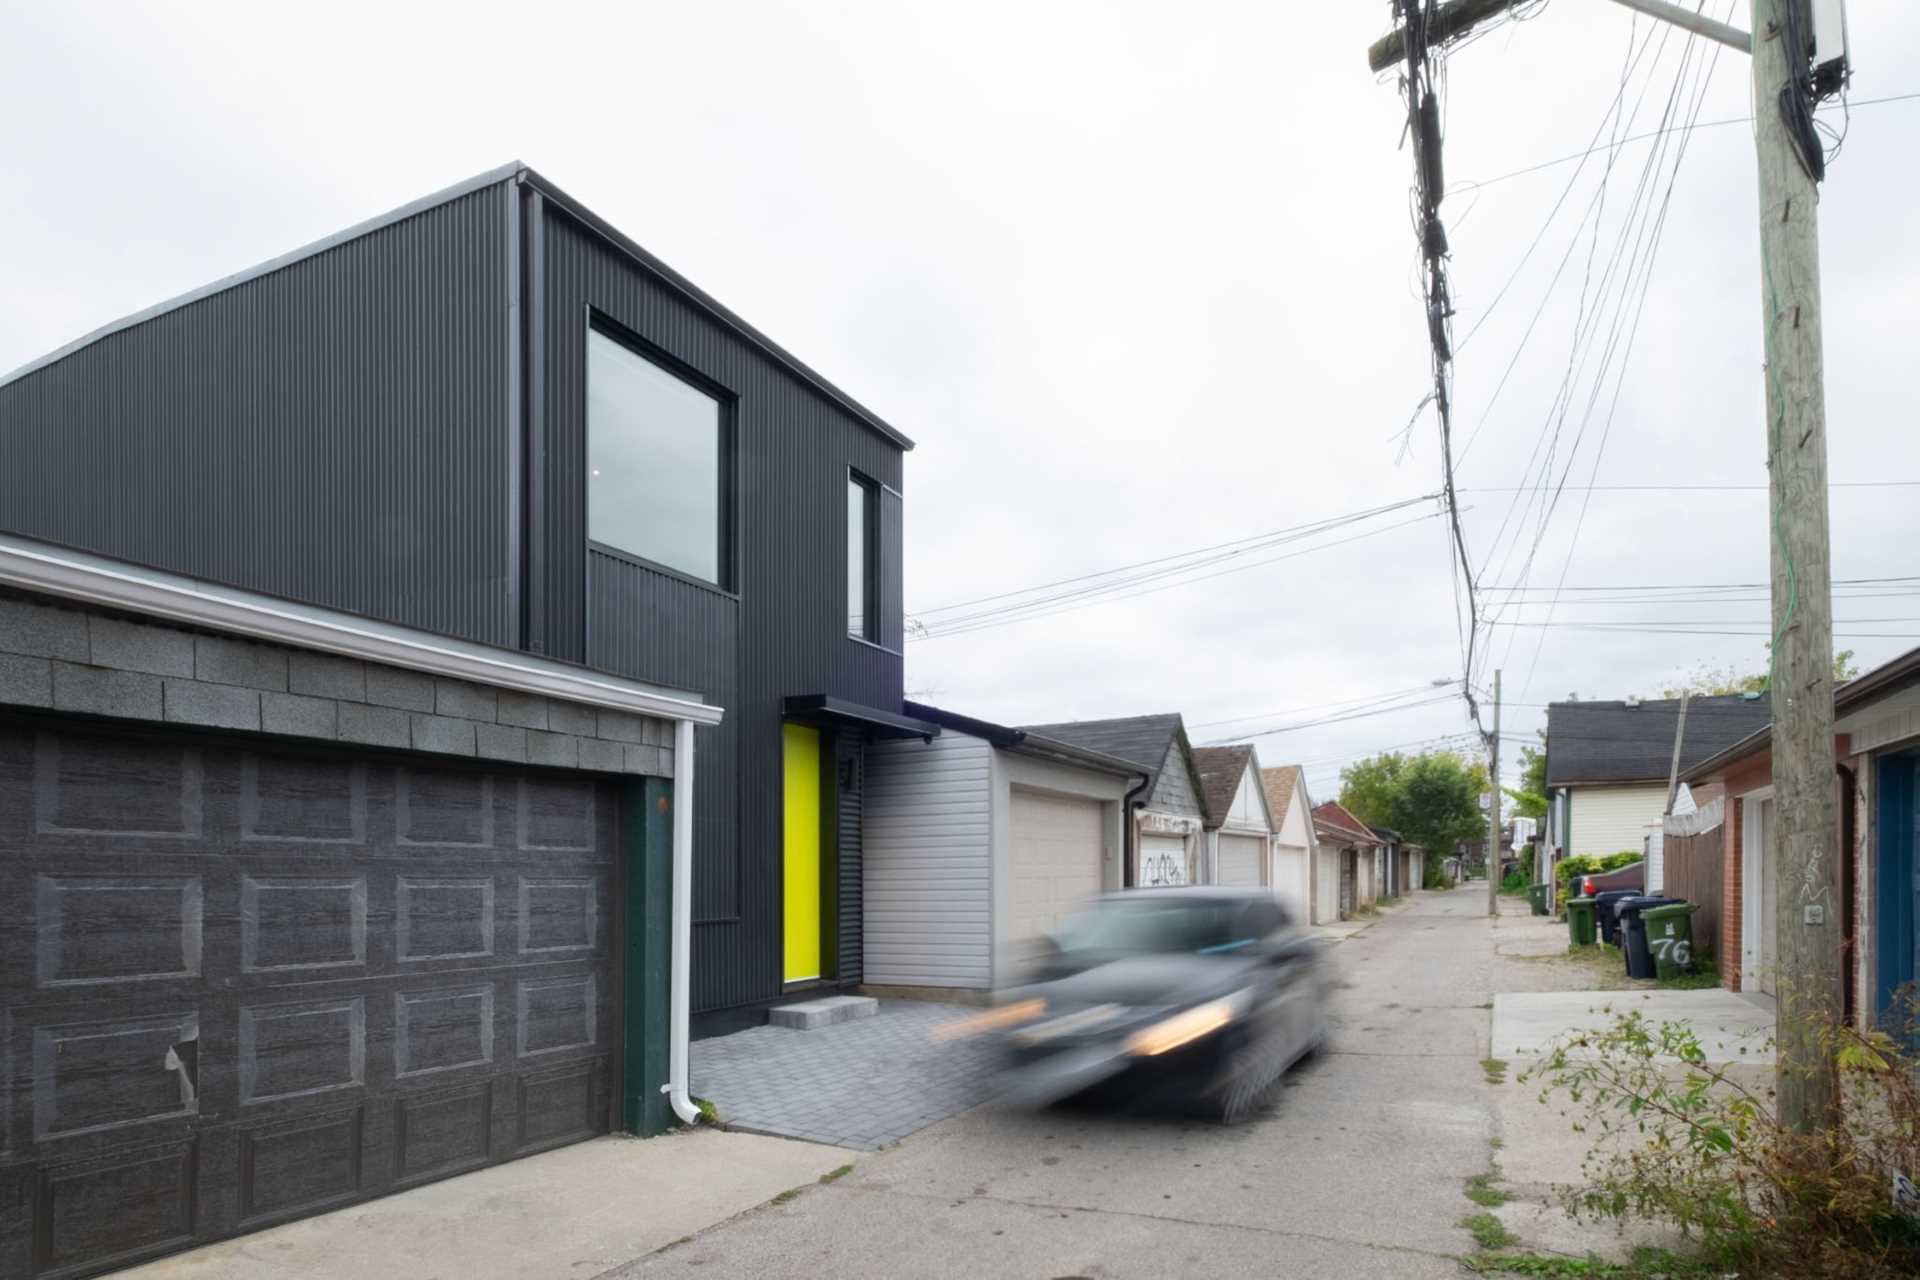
(928, 851)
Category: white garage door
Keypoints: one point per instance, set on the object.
(1163, 861)
(1056, 856)
(1326, 902)
(1240, 859)
(1290, 880)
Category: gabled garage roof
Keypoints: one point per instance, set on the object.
(1220, 770)
(1139, 740)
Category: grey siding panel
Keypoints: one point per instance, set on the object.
(1173, 792)
(849, 801)
(783, 631)
(334, 432)
(929, 874)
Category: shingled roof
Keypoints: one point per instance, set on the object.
(1333, 820)
(1220, 770)
(1279, 784)
(1138, 740)
(1633, 741)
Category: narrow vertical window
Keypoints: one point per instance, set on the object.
(863, 510)
(656, 463)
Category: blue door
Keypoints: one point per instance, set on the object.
(1896, 942)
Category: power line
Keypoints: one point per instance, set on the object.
(1340, 718)
(1686, 488)
(1659, 133)
(1315, 706)
(1046, 608)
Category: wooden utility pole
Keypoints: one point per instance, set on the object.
(1673, 770)
(1493, 806)
(1803, 854)
(1804, 831)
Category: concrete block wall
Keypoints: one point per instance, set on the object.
(63, 657)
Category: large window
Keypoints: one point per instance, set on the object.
(863, 517)
(656, 463)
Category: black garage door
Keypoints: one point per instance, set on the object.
(242, 985)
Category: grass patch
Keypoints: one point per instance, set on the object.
(1495, 1070)
(1647, 1264)
(1488, 1231)
(709, 1114)
(785, 1196)
(834, 1175)
(1484, 1189)
(1705, 974)
(1496, 1143)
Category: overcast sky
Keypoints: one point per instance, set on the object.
(1138, 278)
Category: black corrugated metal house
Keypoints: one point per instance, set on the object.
(347, 607)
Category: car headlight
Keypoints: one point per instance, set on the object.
(996, 1019)
(1182, 1028)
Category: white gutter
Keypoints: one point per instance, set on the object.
(80, 575)
(682, 928)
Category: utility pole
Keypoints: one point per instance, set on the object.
(1804, 833)
(1493, 806)
(1673, 770)
(1793, 66)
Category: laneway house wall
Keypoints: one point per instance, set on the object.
(1608, 819)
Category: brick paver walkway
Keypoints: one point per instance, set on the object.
(860, 1084)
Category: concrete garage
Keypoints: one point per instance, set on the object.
(977, 841)
(288, 929)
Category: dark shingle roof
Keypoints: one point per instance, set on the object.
(1140, 740)
(1626, 742)
(1220, 770)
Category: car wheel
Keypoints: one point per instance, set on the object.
(1251, 1079)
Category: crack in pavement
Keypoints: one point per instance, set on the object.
(1213, 1224)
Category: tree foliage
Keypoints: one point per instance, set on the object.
(1530, 797)
(1707, 680)
(1432, 800)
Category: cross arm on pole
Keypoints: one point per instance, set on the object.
(1450, 22)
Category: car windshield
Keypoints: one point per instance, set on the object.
(1142, 925)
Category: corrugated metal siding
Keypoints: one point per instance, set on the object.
(334, 432)
(850, 789)
(929, 881)
(636, 616)
(785, 631)
(1610, 819)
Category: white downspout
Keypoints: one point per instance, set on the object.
(679, 984)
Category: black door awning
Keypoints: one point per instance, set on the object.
(821, 708)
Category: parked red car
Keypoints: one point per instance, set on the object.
(1631, 876)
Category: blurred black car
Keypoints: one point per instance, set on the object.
(1185, 998)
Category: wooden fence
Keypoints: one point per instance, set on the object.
(1696, 866)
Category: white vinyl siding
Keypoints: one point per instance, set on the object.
(1610, 819)
(1240, 858)
(927, 916)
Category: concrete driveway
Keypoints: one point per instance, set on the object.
(1357, 1171)
(1731, 1027)
(578, 1212)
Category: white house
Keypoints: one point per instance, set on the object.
(979, 841)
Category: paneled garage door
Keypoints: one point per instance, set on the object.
(1056, 856)
(1240, 859)
(242, 986)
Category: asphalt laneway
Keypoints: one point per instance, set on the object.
(1358, 1169)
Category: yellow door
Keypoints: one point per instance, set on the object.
(802, 783)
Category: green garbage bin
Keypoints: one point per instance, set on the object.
(1580, 921)
(1670, 937)
(1537, 896)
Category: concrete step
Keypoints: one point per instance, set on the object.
(809, 1015)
